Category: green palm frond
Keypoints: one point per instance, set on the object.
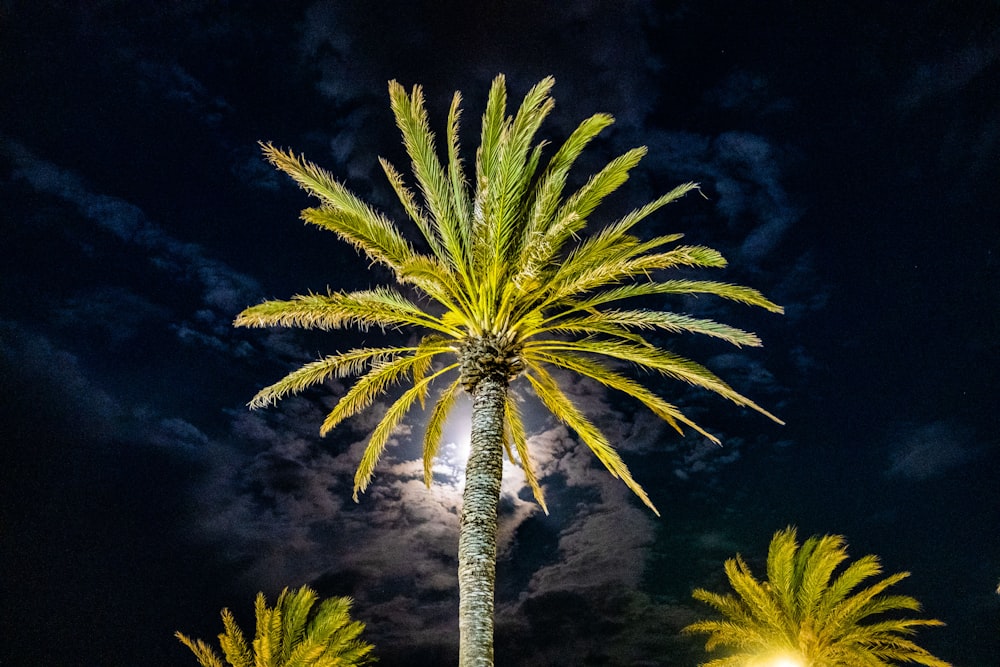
(560, 405)
(781, 570)
(338, 365)
(666, 363)
(206, 655)
(234, 643)
(383, 431)
(826, 553)
(294, 633)
(613, 380)
(373, 384)
(517, 435)
(381, 307)
(345, 214)
(801, 613)
(608, 321)
(435, 427)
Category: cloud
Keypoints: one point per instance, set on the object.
(950, 72)
(223, 291)
(928, 451)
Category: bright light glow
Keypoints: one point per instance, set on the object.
(784, 661)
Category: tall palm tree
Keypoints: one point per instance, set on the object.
(293, 633)
(803, 615)
(503, 288)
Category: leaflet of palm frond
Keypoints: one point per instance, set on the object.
(548, 391)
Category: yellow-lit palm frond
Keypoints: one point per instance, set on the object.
(560, 405)
(381, 307)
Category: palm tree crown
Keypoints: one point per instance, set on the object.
(504, 287)
(808, 616)
(294, 633)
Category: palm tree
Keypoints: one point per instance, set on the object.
(502, 289)
(292, 634)
(805, 616)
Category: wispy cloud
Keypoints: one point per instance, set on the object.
(927, 451)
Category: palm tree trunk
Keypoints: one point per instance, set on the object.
(477, 540)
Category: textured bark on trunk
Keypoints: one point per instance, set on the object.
(477, 541)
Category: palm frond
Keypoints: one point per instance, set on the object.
(456, 172)
(435, 427)
(745, 295)
(609, 378)
(667, 363)
(781, 570)
(344, 213)
(382, 307)
(846, 581)
(410, 205)
(760, 602)
(582, 202)
(548, 391)
(234, 643)
(548, 190)
(295, 606)
(384, 430)
(206, 655)
(606, 321)
(826, 553)
(267, 640)
(372, 385)
(517, 434)
(346, 364)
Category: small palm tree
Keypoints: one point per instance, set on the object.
(805, 616)
(505, 289)
(292, 634)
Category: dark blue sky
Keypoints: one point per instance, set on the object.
(849, 157)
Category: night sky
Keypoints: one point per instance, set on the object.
(849, 162)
